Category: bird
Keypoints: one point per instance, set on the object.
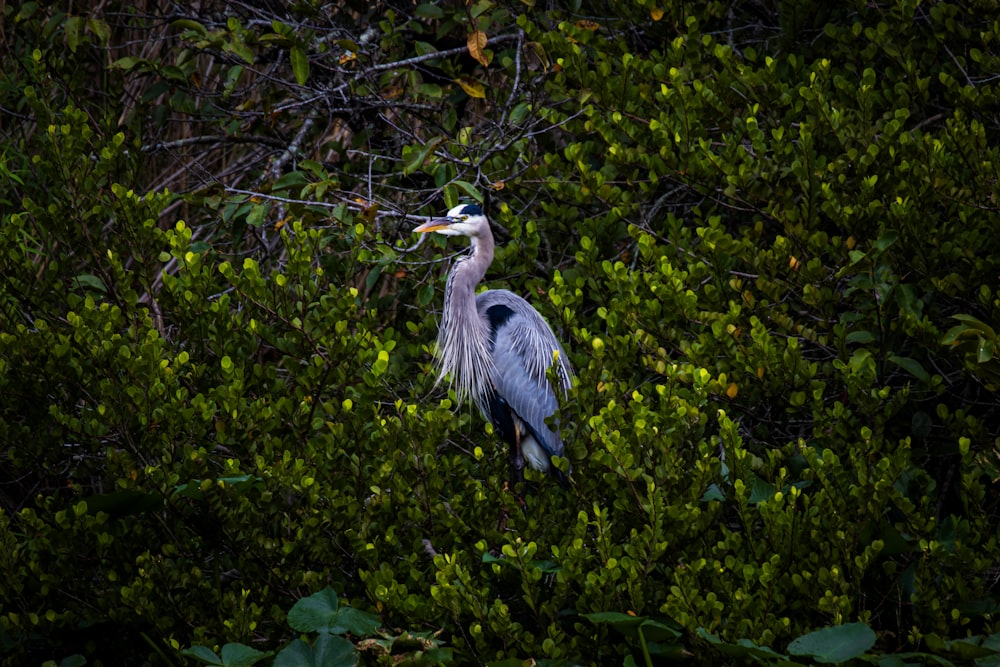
(496, 349)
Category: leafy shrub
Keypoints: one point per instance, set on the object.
(771, 252)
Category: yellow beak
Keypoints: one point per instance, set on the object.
(433, 225)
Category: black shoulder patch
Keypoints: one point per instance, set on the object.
(497, 315)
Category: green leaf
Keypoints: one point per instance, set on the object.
(835, 644)
(975, 324)
(191, 25)
(431, 90)
(255, 218)
(321, 612)
(313, 167)
(282, 29)
(423, 48)
(911, 366)
(956, 332)
(967, 648)
(240, 655)
(862, 337)
(425, 295)
(743, 648)
(519, 113)
(88, 281)
(861, 361)
(127, 63)
(204, 654)
(432, 658)
(100, 28)
(26, 11)
(630, 626)
(623, 623)
(300, 65)
(546, 566)
(357, 622)
(713, 493)
(490, 558)
(241, 483)
(885, 241)
(429, 11)
(290, 180)
(760, 490)
(909, 302)
(414, 157)
(73, 28)
(332, 651)
(296, 654)
(913, 658)
(327, 651)
(469, 189)
(656, 631)
(237, 47)
(348, 45)
(985, 351)
(372, 277)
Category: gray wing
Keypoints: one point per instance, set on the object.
(522, 347)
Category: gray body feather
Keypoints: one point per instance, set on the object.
(523, 349)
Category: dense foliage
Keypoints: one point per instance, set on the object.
(765, 231)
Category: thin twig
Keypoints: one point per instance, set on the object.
(209, 139)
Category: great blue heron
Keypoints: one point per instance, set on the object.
(497, 349)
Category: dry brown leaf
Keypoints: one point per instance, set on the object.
(477, 47)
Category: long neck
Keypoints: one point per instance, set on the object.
(463, 340)
(473, 265)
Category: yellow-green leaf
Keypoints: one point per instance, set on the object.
(414, 157)
(471, 87)
(300, 65)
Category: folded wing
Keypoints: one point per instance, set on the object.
(523, 348)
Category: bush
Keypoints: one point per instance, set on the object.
(770, 252)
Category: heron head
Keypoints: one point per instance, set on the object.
(462, 220)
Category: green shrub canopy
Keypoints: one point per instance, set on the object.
(765, 232)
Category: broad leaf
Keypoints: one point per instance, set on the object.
(240, 655)
(760, 490)
(472, 87)
(327, 651)
(861, 337)
(314, 612)
(836, 644)
(414, 157)
(300, 65)
(321, 612)
(333, 651)
(477, 47)
(204, 654)
(911, 366)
